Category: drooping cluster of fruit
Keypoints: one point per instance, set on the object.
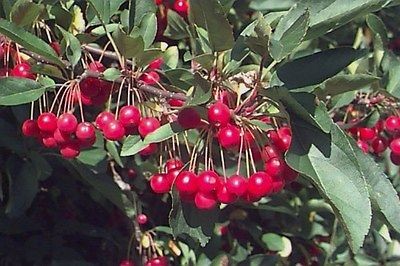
(179, 6)
(385, 134)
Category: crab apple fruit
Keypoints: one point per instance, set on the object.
(85, 130)
(363, 146)
(229, 136)
(30, 128)
(97, 66)
(56, 47)
(156, 63)
(22, 70)
(205, 201)
(366, 133)
(48, 141)
(395, 145)
(219, 114)
(270, 152)
(379, 145)
(259, 184)
(87, 143)
(126, 263)
(103, 119)
(274, 166)
(284, 131)
(289, 174)
(141, 219)
(392, 124)
(176, 102)
(150, 78)
(67, 123)
(114, 130)
(208, 181)
(160, 183)
(47, 122)
(61, 137)
(158, 2)
(186, 182)
(148, 125)
(189, 118)
(224, 196)
(283, 142)
(395, 158)
(129, 116)
(173, 174)
(90, 87)
(278, 182)
(172, 164)
(70, 150)
(236, 185)
(149, 150)
(181, 6)
(158, 261)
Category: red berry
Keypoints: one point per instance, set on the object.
(395, 158)
(205, 201)
(229, 136)
(186, 182)
(173, 174)
(392, 124)
(219, 114)
(149, 150)
(56, 47)
(363, 146)
(208, 181)
(189, 118)
(160, 183)
(30, 128)
(158, 261)
(259, 184)
(60, 137)
(379, 145)
(141, 219)
(67, 123)
(131, 173)
(366, 134)
(22, 70)
(284, 131)
(129, 116)
(87, 143)
(172, 164)
(224, 196)
(278, 182)
(48, 141)
(270, 152)
(47, 122)
(126, 263)
(156, 63)
(289, 174)
(85, 131)
(103, 119)
(150, 78)
(97, 66)
(70, 150)
(274, 166)
(114, 130)
(175, 103)
(236, 185)
(90, 87)
(395, 145)
(148, 125)
(283, 142)
(181, 6)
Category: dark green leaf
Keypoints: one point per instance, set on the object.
(103, 8)
(147, 56)
(273, 241)
(163, 133)
(132, 145)
(92, 156)
(209, 15)
(289, 33)
(48, 70)
(15, 91)
(29, 41)
(393, 84)
(257, 260)
(127, 45)
(185, 219)
(137, 10)
(24, 12)
(202, 90)
(111, 74)
(113, 150)
(314, 69)
(147, 29)
(72, 46)
(257, 36)
(177, 26)
(378, 27)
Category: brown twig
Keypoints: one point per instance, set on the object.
(108, 54)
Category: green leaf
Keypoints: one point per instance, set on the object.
(376, 24)
(93, 156)
(72, 46)
(132, 145)
(328, 161)
(113, 150)
(48, 70)
(15, 91)
(393, 84)
(137, 10)
(260, 259)
(343, 83)
(210, 15)
(202, 90)
(177, 26)
(127, 45)
(261, 125)
(257, 36)
(111, 74)
(29, 41)
(24, 12)
(273, 241)
(103, 8)
(186, 219)
(289, 33)
(163, 133)
(315, 68)
(147, 29)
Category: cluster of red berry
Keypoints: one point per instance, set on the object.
(156, 261)
(179, 6)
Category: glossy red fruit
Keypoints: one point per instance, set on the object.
(90, 87)
(284, 131)
(61, 138)
(186, 182)
(48, 141)
(114, 130)
(47, 122)
(224, 196)
(208, 181)
(379, 145)
(366, 133)
(148, 125)
(283, 142)
(158, 2)
(67, 123)
(395, 158)
(85, 131)
(392, 124)
(172, 164)
(395, 146)
(189, 118)
(270, 152)
(129, 116)
(158, 261)
(22, 70)
(30, 128)
(363, 146)
(173, 174)
(229, 136)
(278, 182)
(70, 150)
(274, 166)
(87, 143)
(56, 47)
(156, 63)
(97, 66)
(149, 150)
(141, 219)
(103, 119)
(150, 78)
(205, 201)
(289, 174)
(236, 185)
(219, 114)
(175, 103)
(181, 6)
(259, 184)
(160, 183)
(126, 263)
